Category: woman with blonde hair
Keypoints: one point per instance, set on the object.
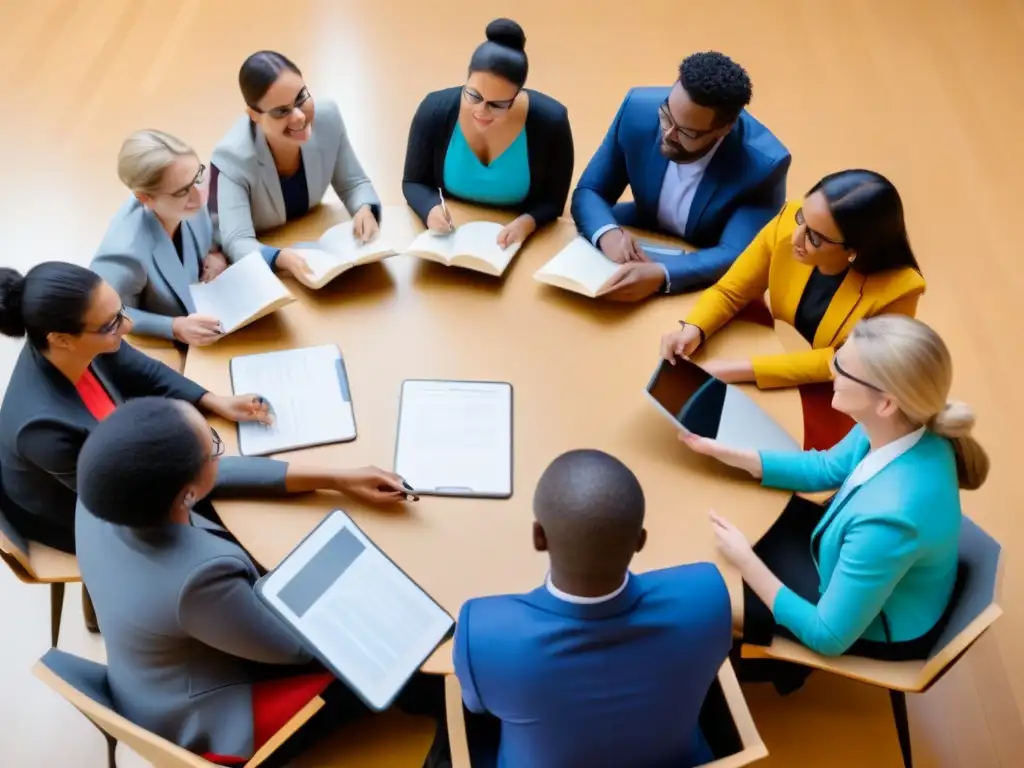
(873, 573)
(161, 239)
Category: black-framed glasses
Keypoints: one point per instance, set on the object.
(668, 123)
(814, 235)
(280, 113)
(200, 175)
(218, 444)
(473, 97)
(113, 325)
(839, 369)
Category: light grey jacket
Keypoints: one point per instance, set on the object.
(248, 188)
(185, 633)
(139, 260)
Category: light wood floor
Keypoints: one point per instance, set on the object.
(930, 93)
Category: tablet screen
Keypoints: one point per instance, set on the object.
(357, 610)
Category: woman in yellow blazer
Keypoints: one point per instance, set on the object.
(840, 256)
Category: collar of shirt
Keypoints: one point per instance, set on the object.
(876, 461)
(584, 600)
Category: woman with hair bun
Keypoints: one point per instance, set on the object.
(873, 573)
(491, 142)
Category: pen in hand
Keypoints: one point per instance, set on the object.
(444, 208)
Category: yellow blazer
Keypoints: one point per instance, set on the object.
(768, 264)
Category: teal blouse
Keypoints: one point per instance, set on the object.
(506, 181)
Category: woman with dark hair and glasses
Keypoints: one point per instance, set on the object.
(874, 572)
(491, 142)
(73, 372)
(839, 256)
(161, 240)
(277, 160)
(193, 655)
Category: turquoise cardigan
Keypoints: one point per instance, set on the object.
(889, 545)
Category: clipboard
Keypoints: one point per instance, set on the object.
(455, 438)
(308, 393)
(356, 610)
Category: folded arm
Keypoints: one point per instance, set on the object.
(137, 375)
(808, 471)
(875, 554)
(218, 606)
(127, 276)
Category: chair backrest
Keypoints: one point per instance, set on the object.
(84, 684)
(752, 748)
(977, 605)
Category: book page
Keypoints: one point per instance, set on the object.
(308, 393)
(455, 437)
(578, 267)
(479, 239)
(240, 293)
(432, 246)
(341, 242)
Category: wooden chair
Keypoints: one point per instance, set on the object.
(975, 610)
(34, 563)
(387, 740)
(752, 748)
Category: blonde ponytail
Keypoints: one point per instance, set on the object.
(913, 365)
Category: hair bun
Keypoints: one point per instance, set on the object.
(12, 289)
(507, 33)
(956, 419)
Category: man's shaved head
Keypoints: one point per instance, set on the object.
(590, 514)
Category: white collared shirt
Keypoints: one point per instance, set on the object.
(875, 461)
(678, 188)
(584, 600)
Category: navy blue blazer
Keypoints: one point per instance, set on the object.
(743, 187)
(615, 683)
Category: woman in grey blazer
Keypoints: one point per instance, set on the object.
(161, 239)
(192, 653)
(74, 371)
(277, 160)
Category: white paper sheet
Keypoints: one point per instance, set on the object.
(308, 394)
(579, 267)
(362, 615)
(240, 292)
(455, 437)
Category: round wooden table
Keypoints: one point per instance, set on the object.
(579, 368)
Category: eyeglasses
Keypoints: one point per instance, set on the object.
(200, 174)
(814, 235)
(839, 369)
(218, 444)
(114, 325)
(473, 97)
(280, 113)
(668, 124)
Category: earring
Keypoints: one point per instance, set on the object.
(852, 257)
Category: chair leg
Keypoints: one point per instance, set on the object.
(56, 608)
(89, 612)
(111, 750)
(899, 714)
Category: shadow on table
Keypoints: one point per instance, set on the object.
(431, 274)
(602, 311)
(366, 283)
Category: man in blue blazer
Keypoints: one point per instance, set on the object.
(599, 666)
(700, 167)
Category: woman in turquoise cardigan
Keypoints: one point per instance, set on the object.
(872, 573)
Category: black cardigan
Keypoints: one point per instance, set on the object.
(549, 142)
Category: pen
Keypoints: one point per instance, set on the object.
(444, 207)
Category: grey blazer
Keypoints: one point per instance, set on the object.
(186, 635)
(44, 422)
(248, 189)
(139, 260)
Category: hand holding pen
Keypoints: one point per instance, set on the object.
(439, 220)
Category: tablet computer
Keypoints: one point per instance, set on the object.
(356, 610)
(695, 400)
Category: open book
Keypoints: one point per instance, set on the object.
(473, 246)
(338, 251)
(579, 267)
(242, 293)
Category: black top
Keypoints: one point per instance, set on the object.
(550, 151)
(44, 422)
(814, 303)
(295, 193)
(176, 239)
